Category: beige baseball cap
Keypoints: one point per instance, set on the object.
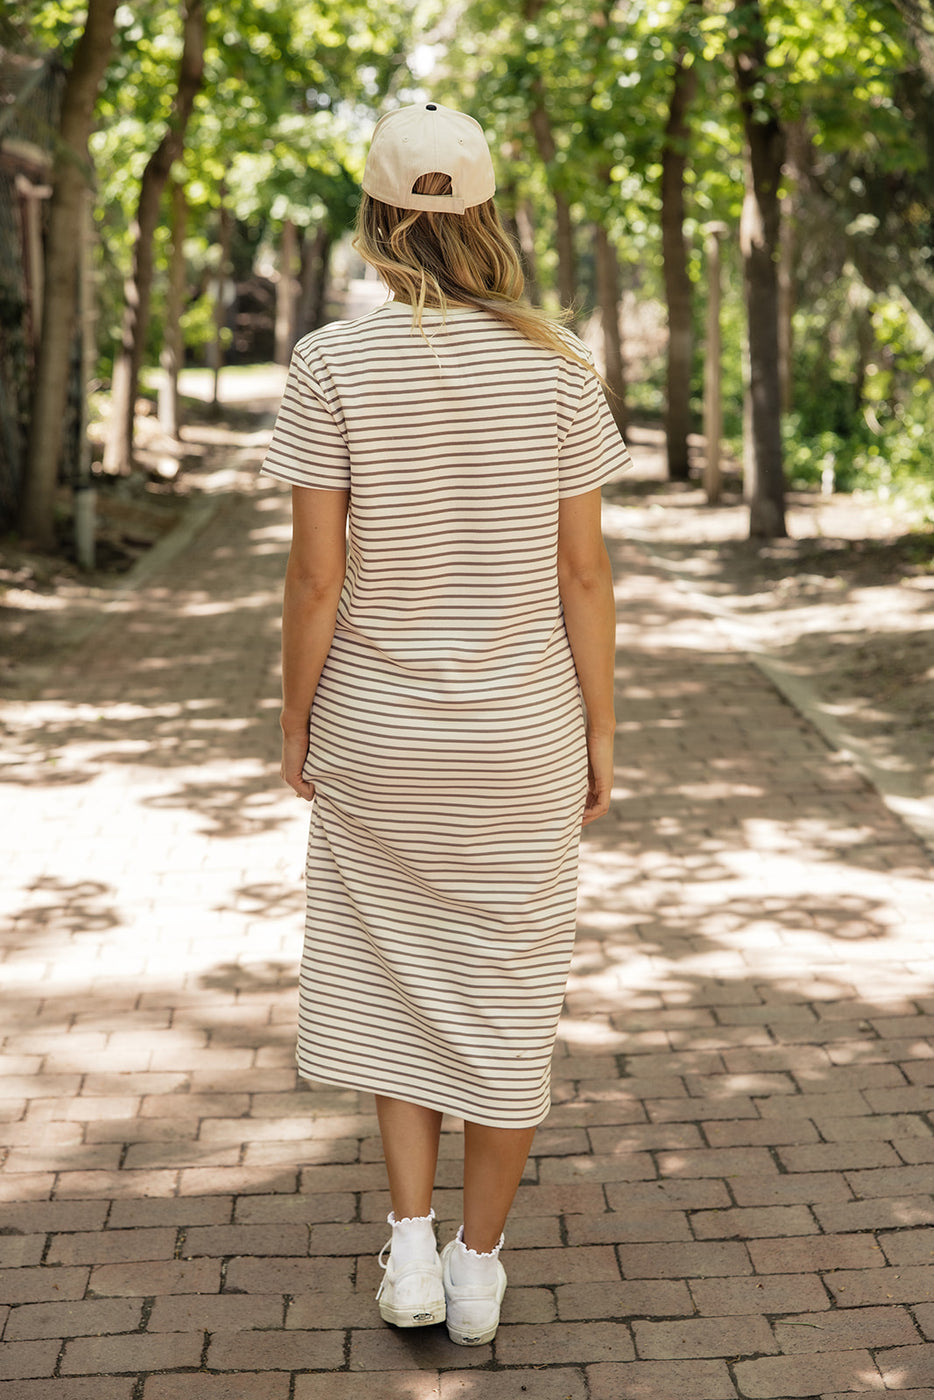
(416, 141)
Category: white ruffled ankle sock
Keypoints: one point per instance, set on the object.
(413, 1239)
(468, 1266)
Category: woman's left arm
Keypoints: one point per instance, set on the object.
(314, 577)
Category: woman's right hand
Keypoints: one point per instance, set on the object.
(294, 754)
(599, 775)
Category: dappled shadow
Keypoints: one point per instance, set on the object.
(244, 807)
(59, 909)
(846, 619)
(183, 676)
(851, 641)
(661, 1065)
(745, 977)
(796, 568)
(251, 980)
(268, 899)
(662, 928)
(753, 971)
(47, 601)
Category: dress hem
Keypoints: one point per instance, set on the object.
(345, 1081)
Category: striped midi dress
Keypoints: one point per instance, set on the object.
(446, 736)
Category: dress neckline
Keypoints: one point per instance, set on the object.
(429, 310)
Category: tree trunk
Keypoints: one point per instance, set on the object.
(796, 144)
(173, 345)
(518, 224)
(118, 456)
(678, 289)
(759, 242)
(506, 206)
(786, 302)
(564, 229)
(32, 199)
(526, 232)
(543, 134)
(62, 255)
(917, 15)
(607, 269)
(285, 294)
(860, 302)
(316, 261)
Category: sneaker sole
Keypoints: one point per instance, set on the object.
(473, 1339)
(426, 1316)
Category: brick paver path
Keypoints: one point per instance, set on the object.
(733, 1194)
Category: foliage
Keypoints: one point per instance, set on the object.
(292, 88)
(870, 426)
(278, 129)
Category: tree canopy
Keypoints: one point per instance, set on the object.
(621, 130)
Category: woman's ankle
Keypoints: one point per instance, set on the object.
(472, 1267)
(481, 1244)
(413, 1238)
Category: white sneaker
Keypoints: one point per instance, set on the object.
(412, 1291)
(474, 1285)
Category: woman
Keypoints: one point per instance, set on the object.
(432, 680)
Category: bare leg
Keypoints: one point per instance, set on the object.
(410, 1136)
(494, 1160)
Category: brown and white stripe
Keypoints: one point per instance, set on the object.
(447, 744)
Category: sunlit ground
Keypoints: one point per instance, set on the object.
(749, 1012)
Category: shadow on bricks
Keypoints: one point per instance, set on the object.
(732, 1195)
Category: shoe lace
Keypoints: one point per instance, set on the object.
(384, 1265)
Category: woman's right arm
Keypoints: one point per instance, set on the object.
(585, 583)
(314, 577)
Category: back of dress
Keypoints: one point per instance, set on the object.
(456, 446)
(447, 746)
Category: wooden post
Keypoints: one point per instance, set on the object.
(713, 395)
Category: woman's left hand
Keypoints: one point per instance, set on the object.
(294, 753)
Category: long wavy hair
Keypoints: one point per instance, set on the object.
(433, 260)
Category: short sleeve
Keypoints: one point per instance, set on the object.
(591, 450)
(308, 446)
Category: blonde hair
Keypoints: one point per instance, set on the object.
(430, 259)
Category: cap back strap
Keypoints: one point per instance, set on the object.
(436, 203)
